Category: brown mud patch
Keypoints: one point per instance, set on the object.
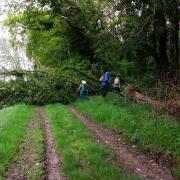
(130, 159)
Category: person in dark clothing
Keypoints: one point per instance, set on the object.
(104, 80)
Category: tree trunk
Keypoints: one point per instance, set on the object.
(161, 36)
(174, 30)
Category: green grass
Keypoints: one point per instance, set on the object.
(13, 124)
(37, 149)
(83, 158)
(137, 123)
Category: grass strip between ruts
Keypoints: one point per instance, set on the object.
(13, 125)
(82, 157)
(37, 171)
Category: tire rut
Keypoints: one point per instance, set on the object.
(128, 158)
(53, 160)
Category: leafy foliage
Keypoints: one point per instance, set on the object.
(138, 39)
(47, 85)
(38, 89)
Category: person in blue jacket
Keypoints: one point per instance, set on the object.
(104, 80)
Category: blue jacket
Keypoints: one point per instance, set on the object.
(105, 79)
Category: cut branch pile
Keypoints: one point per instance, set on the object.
(171, 107)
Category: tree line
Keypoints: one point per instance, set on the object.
(134, 38)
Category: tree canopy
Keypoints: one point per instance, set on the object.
(86, 32)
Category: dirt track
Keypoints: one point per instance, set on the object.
(24, 162)
(50, 161)
(128, 158)
(54, 170)
(131, 160)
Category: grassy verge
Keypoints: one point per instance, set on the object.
(137, 123)
(82, 157)
(13, 124)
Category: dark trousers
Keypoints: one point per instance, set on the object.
(117, 90)
(105, 90)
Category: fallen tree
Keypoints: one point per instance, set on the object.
(43, 86)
